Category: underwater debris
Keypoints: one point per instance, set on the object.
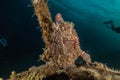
(60, 53)
(110, 25)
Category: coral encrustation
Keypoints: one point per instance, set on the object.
(64, 46)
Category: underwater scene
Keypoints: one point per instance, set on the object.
(92, 25)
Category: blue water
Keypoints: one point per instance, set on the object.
(24, 41)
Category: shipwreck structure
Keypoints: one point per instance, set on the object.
(62, 49)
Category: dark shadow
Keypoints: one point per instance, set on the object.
(79, 62)
(61, 76)
(110, 25)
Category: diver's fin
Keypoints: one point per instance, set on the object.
(108, 22)
(110, 25)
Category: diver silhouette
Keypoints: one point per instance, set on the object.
(110, 25)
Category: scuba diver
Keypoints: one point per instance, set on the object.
(110, 25)
(3, 42)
